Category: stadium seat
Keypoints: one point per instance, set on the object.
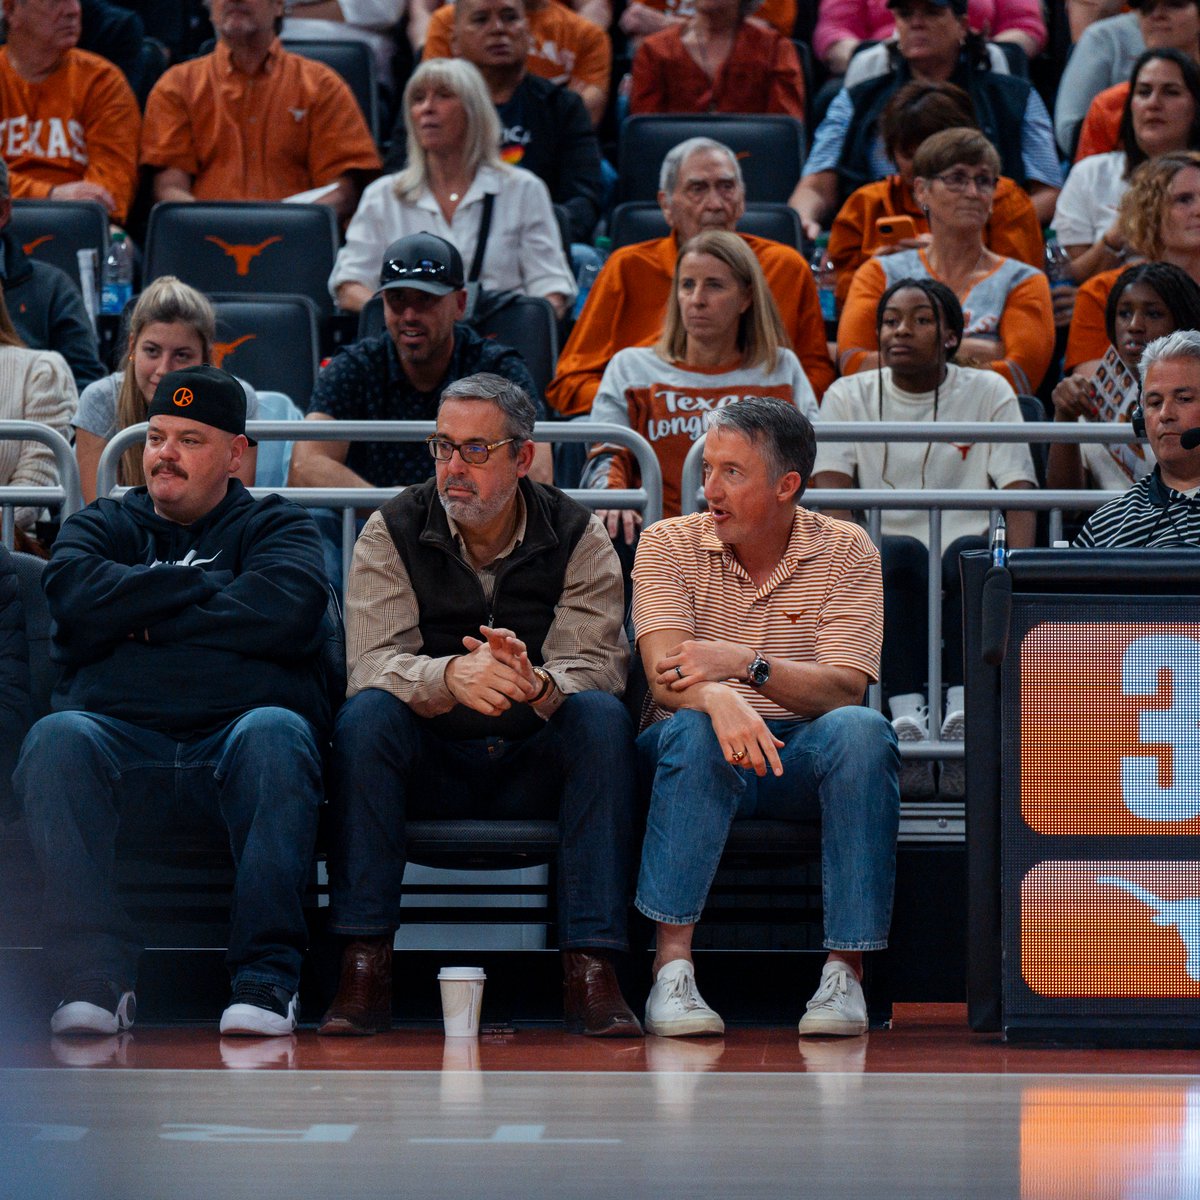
(257, 248)
(270, 341)
(354, 62)
(770, 148)
(52, 231)
(639, 221)
(526, 323)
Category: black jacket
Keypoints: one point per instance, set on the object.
(47, 310)
(182, 629)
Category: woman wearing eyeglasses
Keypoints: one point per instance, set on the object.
(722, 339)
(1009, 316)
(919, 328)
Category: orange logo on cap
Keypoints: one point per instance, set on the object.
(183, 397)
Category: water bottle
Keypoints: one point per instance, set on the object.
(1058, 262)
(117, 288)
(826, 281)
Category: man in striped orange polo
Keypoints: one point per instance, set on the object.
(760, 624)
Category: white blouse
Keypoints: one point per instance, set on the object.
(524, 247)
(1087, 205)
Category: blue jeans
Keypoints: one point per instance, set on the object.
(840, 767)
(580, 767)
(80, 775)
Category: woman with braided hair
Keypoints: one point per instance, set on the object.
(918, 328)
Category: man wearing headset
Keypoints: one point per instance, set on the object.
(1161, 509)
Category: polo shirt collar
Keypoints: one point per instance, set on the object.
(224, 58)
(805, 541)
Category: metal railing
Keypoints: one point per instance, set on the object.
(66, 496)
(934, 501)
(647, 499)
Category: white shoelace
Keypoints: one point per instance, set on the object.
(683, 989)
(833, 984)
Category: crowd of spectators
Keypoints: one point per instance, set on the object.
(934, 165)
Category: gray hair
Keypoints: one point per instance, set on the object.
(672, 164)
(783, 434)
(481, 146)
(510, 398)
(1183, 343)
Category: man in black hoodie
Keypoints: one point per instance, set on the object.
(188, 620)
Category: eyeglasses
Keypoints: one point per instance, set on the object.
(474, 453)
(396, 270)
(959, 181)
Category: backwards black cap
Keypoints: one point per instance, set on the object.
(205, 394)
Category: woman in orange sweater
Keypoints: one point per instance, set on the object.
(1006, 304)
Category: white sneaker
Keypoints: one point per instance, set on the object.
(838, 1007)
(910, 720)
(94, 1007)
(260, 1009)
(954, 770)
(675, 1007)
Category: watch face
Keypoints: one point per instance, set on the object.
(760, 671)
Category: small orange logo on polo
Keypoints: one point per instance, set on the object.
(30, 247)
(222, 350)
(242, 255)
(182, 397)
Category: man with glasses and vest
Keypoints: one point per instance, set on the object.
(486, 652)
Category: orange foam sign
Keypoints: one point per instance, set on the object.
(1110, 728)
(1112, 929)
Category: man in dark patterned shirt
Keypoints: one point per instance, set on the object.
(399, 375)
(1162, 509)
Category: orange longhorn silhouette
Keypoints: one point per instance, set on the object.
(241, 255)
(222, 350)
(30, 247)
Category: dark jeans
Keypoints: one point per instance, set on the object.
(905, 660)
(260, 777)
(580, 767)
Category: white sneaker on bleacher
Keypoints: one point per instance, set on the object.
(94, 1006)
(954, 727)
(675, 1007)
(910, 720)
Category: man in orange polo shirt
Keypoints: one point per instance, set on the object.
(759, 625)
(564, 47)
(701, 188)
(68, 120)
(251, 121)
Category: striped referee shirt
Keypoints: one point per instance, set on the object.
(1148, 516)
(823, 603)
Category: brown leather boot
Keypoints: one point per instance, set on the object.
(363, 1004)
(592, 1000)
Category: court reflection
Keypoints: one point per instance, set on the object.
(1110, 1139)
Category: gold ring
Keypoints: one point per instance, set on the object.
(737, 756)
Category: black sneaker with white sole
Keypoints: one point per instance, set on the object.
(94, 1006)
(260, 1009)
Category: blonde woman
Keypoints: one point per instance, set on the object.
(172, 326)
(722, 340)
(35, 385)
(453, 167)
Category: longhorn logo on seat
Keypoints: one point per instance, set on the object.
(222, 350)
(242, 255)
(30, 247)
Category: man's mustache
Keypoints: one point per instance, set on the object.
(458, 481)
(168, 469)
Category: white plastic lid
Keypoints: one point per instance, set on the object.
(461, 973)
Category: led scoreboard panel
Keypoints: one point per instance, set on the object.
(1100, 813)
